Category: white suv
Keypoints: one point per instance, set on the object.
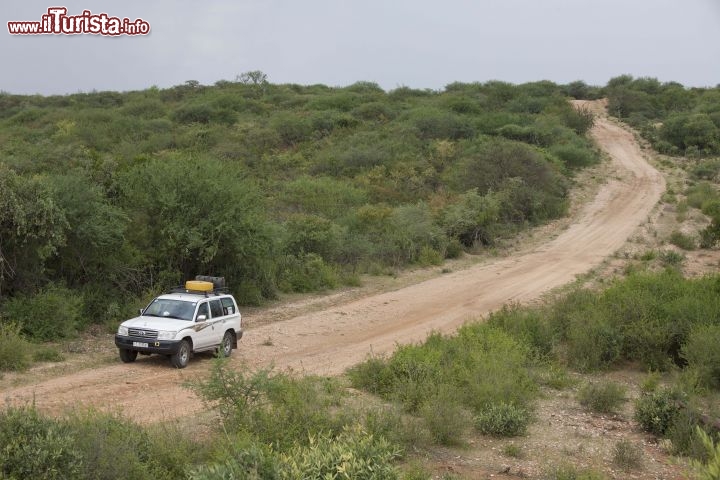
(196, 318)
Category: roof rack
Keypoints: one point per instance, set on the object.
(213, 292)
(207, 286)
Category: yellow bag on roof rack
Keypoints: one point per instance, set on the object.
(199, 286)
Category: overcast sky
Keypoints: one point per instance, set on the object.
(415, 43)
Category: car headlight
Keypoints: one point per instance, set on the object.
(122, 331)
(165, 335)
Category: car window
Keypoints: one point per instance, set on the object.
(203, 310)
(165, 307)
(228, 306)
(216, 308)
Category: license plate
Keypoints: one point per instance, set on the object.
(140, 344)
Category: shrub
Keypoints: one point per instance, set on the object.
(503, 420)
(593, 344)
(671, 258)
(656, 411)
(682, 434)
(446, 419)
(107, 441)
(32, 446)
(52, 313)
(305, 273)
(513, 451)
(14, 349)
(701, 193)
(602, 397)
(429, 256)
(247, 461)
(526, 325)
(272, 408)
(399, 429)
(484, 366)
(47, 354)
(709, 469)
(627, 455)
(574, 156)
(351, 454)
(702, 352)
(681, 240)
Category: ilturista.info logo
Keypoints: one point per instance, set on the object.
(57, 22)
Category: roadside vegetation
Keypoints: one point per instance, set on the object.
(485, 380)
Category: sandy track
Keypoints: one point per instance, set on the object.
(328, 341)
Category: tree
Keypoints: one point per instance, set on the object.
(32, 228)
(191, 216)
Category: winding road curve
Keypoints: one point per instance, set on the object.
(328, 341)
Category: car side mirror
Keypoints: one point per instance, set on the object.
(201, 318)
(141, 312)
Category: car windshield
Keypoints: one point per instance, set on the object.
(165, 307)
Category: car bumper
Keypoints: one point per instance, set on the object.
(147, 345)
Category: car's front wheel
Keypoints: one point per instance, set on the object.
(128, 356)
(181, 358)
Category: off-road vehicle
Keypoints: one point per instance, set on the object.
(197, 317)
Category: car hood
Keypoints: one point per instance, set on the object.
(158, 323)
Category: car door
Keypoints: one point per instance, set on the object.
(216, 330)
(203, 327)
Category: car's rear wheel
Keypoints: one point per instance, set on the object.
(226, 346)
(181, 358)
(128, 356)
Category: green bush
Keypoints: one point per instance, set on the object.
(594, 344)
(351, 454)
(89, 445)
(305, 273)
(574, 156)
(527, 325)
(485, 368)
(14, 349)
(602, 397)
(46, 354)
(51, 314)
(656, 411)
(445, 418)
(682, 434)
(710, 468)
(247, 460)
(392, 424)
(33, 446)
(108, 441)
(273, 408)
(702, 353)
(503, 420)
(699, 194)
(671, 258)
(681, 240)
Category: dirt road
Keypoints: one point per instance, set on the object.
(326, 342)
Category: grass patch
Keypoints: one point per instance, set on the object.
(602, 397)
(47, 354)
(14, 349)
(503, 420)
(628, 455)
(683, 241)
(513, 451)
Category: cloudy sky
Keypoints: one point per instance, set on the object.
(415, 43)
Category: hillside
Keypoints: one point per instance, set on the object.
(110, 196)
